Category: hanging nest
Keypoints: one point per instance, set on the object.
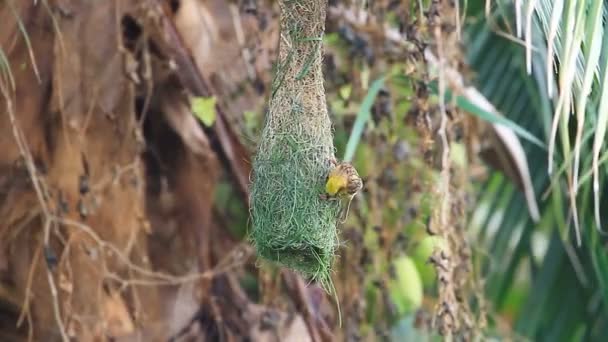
(292, 225)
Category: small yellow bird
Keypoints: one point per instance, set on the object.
(343, 183)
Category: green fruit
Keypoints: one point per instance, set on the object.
(406, 287)
(421, 255)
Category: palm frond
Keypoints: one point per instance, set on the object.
(543, 65)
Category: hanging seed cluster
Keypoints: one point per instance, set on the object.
(292, 225)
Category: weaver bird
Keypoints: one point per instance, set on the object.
(343, 183)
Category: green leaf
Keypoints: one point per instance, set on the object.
(345, 91)
(406, 288)
(251, 119)
(362, 118)
(421, 254)
(204, 109)
(468, 106)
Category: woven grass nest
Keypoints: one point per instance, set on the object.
(291, 224)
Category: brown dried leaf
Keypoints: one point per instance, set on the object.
(116, 316)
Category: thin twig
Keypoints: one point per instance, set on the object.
(40, 190)
(26, 38)
(25, 308)
(177, 280)
(56, 309)
(447, 309)
(113, 249)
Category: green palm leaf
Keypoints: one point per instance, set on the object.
(553, 85)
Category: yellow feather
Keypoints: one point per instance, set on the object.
(336, 182)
